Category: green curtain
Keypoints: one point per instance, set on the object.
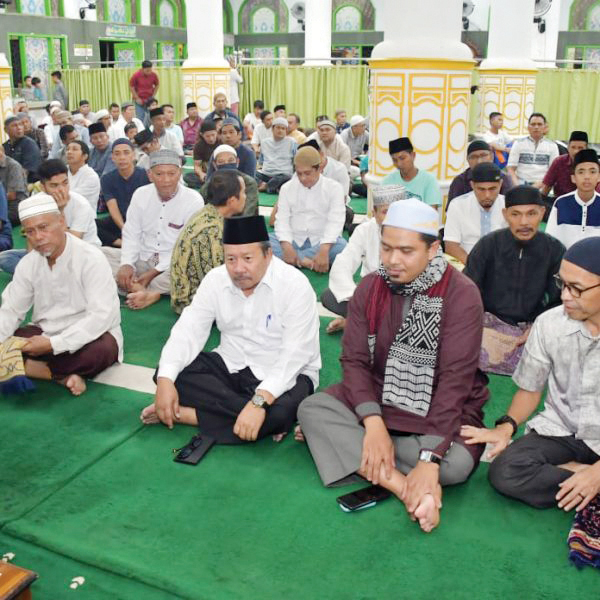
(307, 91)
(569, 99)
(104, 86)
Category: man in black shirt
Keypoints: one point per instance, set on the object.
(21, 148)
(514, 268)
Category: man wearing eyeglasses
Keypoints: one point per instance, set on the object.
(513, 269)
(557, 461)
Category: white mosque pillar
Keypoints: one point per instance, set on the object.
(6, 106)
(205, 72)
(317, 32)
(507, 76)
(420, 87)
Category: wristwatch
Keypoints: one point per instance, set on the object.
(507, 419)
(430, 457)
(260, 402)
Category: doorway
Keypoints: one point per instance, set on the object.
(120, 54)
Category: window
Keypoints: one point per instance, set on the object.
(348, 18)
(33, 7)
(263, 21)
(167, 14)
(118, 11)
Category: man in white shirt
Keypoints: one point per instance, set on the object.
(252, 119)
(117, 130)
(331, 142)
(497, 139)
(268, 358)
(75, 332)
(531, 157)
(473, 215)
(170, 125)
(146, 143)
(82, 178)
(167, 139)
(362, 251)
(310, 218)
(356, 137)
(262, 131)
(277, 156)
(155, 218)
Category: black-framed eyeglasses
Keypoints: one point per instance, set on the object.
(574, 291)
(190, 447)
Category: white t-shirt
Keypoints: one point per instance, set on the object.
(532, 159)
(464, 219)
(80, 217)
(501, 138)
(87, 183)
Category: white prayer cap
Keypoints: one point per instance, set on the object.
(223, 148)
(78, 117)
(325, 123)
(101, 114)
(164, 156)
(55, 109)
(384, 195)
(38, 204)
(414, 215)
(280, 121)
(56, 103)
(356, 120)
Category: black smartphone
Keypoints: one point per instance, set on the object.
(195, 450)
(364, 498)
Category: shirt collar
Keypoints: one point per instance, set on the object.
(573, 326)
(582, 203)
(267, 280)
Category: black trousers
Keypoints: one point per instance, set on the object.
(527, 470)
(219, 396)
(108, 232)
(330, 303)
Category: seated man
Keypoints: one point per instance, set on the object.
(64, 119)
(118, 187)
(146, 143)
(21, 148)
(262, 131)
(268, 359)
(190, 126)
(556, 462)
(12, 177)
(531, 157)
(156, 215)
(199, 247)
(475, 214)
(100, 154)
(310, 217)
(76, 322)
(559, 176)
(207, 142)
(331, 142)
(418, 183)
(500, 142)
(293, 122)
(356, 137)
(117, 129)
(277, 157)
(514, 270)
(6, 240)
(221, 110)
(82, 178)
(477, 152)
(35, 133)
(170, 125)
(232, 136)
(362, 251)
(410, 376)
(252, 119)
(166, 139)
(225, 158)
(576, 215)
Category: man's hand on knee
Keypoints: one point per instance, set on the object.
(125, 277)
(378, 450)
(289, 254)
(145, 278)
(499, 437)
(580, 488)
(37, 345)
(249, 422)
(167, 402)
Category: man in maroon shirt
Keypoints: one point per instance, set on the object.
(143, 85)
(561, 169)
(190, 126)
(410, 379)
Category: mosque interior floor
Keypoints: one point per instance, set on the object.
(89, 492)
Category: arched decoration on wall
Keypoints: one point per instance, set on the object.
(364, 7)
(227, 17)
(133, 10)
(42, 8)
(178, 8)
(583, 12)
(250, 7)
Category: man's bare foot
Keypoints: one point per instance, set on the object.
(306, 263)
(427, 513)
(262, 186)
(142, 299)
(148, 416)
(278, 437)
(75, 384)
(573, 466)
(298, 435)
(337, 324)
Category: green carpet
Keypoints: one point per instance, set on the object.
(358, 205)
(50, 436)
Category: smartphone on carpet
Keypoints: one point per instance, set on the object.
(195, 450)
(364, 498)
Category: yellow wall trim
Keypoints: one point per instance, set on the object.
(508, 71)
(422, 63)
(205, 69)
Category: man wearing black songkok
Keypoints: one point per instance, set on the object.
(557, 461)
(268, 358)
(514, 268)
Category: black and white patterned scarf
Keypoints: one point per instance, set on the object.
(411, 361)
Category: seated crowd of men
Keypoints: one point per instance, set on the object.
(431, 314)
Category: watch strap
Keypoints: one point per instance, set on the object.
(507, 419)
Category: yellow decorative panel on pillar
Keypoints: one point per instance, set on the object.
(201, 84)
(429, 105)
(509, 92)
(6, 108)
